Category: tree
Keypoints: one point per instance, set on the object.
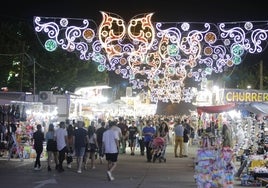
(23, 59)
(244, 75)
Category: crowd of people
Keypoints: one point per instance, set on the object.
(106, 139)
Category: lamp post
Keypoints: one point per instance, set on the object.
(34, 79)
(34, 62)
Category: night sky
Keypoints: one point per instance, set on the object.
(164, 10)
(212, 11)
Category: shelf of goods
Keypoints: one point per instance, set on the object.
(214, 166)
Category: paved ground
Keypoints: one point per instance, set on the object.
(131, 172)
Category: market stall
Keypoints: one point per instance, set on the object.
(255, 165)
(215, 167)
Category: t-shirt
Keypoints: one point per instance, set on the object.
(60, 135)
(38, 138)
(80, 135)
(109, 139)
(146, 130)
(99, 133)
(132, 132)
(124, 128)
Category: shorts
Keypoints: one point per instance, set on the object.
(111, 157)
(80, 151)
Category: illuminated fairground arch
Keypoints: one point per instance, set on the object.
(158, 55)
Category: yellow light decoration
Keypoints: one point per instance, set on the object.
(88, 34)
(210, 37)
(208, 51)
(229, 63)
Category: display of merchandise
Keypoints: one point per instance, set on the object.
(214, 166)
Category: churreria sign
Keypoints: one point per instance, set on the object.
(240, 95)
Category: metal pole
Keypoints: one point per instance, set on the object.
(34, 79)
(261, 75)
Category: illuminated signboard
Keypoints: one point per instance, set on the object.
(240, 95)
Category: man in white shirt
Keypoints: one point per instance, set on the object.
(61, 136)
(110, 142)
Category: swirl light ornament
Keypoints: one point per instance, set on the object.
(158, 56)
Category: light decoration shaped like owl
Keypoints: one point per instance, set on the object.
(158, 55)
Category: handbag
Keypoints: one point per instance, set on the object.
(92, 147)
(69, 158)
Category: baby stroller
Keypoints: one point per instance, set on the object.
(158, 146)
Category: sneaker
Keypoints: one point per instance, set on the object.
(93, 167)
(37, 168)
(79, 171)
(69, 166)
(110, 177)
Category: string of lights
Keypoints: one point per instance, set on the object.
(158, 55)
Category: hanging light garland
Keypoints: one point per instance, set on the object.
(158, 55)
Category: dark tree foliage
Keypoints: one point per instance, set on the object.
(59, 71)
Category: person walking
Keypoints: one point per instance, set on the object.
(124, 130)
(52, 151)
(38, 139)
(185, 141)
(117, 130)
(92, 147)
(99, 133)
(80, 140)
(70, 132)
(163, 133)
(133, 131)
(62, 144)
(110, 141)
(178, 131)
(141, 137)
(149, 133)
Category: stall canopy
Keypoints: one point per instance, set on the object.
(257, 107)
(216, 109)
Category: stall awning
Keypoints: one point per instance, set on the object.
(257, 107)
(216, 109)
